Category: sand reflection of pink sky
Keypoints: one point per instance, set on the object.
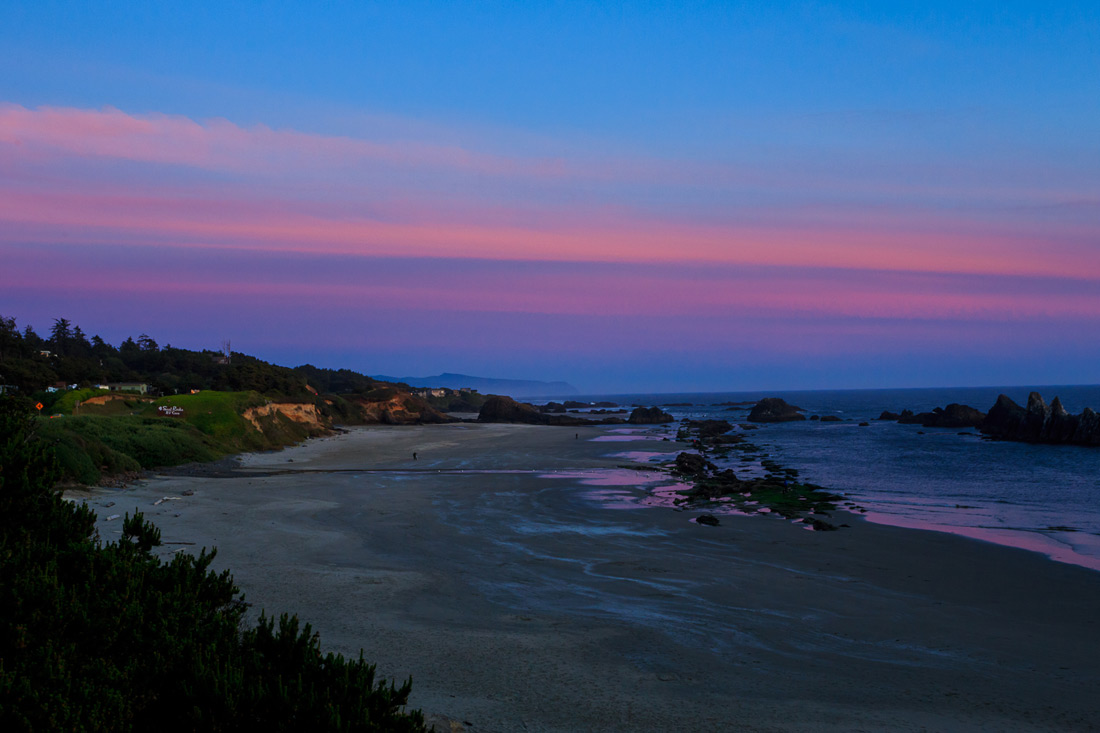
(1075, 548)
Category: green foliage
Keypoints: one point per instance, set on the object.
(87, 446)
(66, 402)
(111, 638)
(217, 414)
(336, 381)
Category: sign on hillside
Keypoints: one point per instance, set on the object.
(169, 411)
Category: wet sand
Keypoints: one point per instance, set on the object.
(518, 600)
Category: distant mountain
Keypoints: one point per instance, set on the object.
(488, 385)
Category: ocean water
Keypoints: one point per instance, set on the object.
(1044, 498)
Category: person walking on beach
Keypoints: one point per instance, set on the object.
(414, 455)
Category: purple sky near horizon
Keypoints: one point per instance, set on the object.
(854, 196)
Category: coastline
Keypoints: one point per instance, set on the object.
(516, 601)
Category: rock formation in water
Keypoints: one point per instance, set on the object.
(498, 408)
(692, 464)
(649, 416)
(775, 409)
(1041, 423)
(1006, 420)
(952, 416)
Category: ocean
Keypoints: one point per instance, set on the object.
(1044, 498)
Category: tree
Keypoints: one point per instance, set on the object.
(108, 637)
(10, 340)
(145, 343)
(60, 335)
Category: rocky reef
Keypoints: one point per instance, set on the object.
(1041, 423)
(498, 408)
(952, 416)
(778, 492)
(649, 416)
(775, 409)
(1006, 420)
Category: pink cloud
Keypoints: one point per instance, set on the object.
(219, 144)
(291, 226)
(50, 193)
(729, 293)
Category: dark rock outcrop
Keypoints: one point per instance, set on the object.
(775, 409)
(708, 519)
(692, 464)
(708, 428)
(953, 416)
(649, 416)
(830, 418)
(1088, 428)
(1041, 423)
(505, 409)
(1059, 426)
(1003, 419)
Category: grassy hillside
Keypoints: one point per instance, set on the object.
(100, 442)
(218, 415)
(88, 448)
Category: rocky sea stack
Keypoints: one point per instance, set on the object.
(649, 416)
(1041, 423)
(1006, 420)
(775, 409)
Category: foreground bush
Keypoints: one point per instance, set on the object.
(108, 637)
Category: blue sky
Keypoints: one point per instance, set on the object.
(846, 154)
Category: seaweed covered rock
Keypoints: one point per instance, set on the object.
(708, 428)
(649, 416)
(691, 464)
(775, 409)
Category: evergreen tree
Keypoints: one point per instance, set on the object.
(107, 637)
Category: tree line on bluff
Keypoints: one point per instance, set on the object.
(31, 362)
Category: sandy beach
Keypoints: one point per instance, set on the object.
(518, 600)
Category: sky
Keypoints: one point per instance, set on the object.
(632, 197)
